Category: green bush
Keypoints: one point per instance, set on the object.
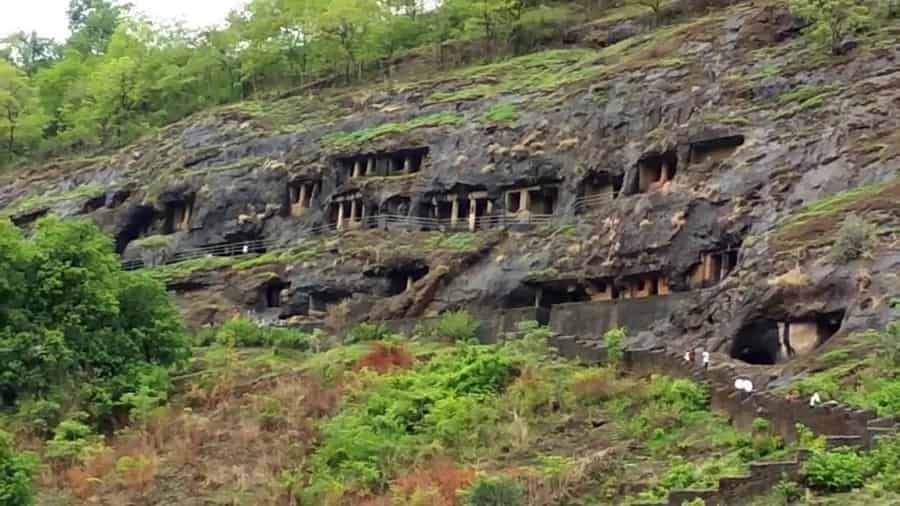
(837, 470)
(450, 400)
(681, 394)
(368, 331)
(246, 333)
(73, 317)
(529, 341)
(614, 339)
(17, 472)
(456, 326)
(494, 491)
(71, 439)
(788, 492)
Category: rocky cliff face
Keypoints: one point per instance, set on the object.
(720, 142)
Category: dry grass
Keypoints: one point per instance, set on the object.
(232, 440)
(792, 279)
(384, 357)
(436, 483)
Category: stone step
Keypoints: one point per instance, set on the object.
(838, 441)
(884, 421)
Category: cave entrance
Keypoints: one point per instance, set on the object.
(177, 216)
(596, 190)
(93, 204)
(301, 195)
(138, 223)
(401, 279)
(396, 206)
(602, 290)
(715, 149)
(551, 293)
(757, 342)
(803, 335)
(656, 171)
(273, 293)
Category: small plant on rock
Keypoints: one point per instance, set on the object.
(831, 21)
(856, 239)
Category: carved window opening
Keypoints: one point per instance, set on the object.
(177, 216)
(716, 149)
(396, 163)
(656, 170)
(532, 200)
(647, 285)
(347, 211)
(714, 267)
(301, 195)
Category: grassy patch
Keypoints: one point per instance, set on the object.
(806, 97)
(34, 202)
(538, 72)
(461, 241)
(153, 241)
(343, 140)
(818, 222)
(300, 253)
(184, 269)
(500, 114)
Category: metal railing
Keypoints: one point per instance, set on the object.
(384, 221)
(592, 202)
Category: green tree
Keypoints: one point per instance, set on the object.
(832, 20)
(29, 51)
(70, 316)
(347, 24)
(92, 24)
(21, 119)
(16, 474)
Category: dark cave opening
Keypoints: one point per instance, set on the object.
(138, 223)
(656, 170)
(757, 342)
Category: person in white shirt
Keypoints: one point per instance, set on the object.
(687, 356)
(705, 356)
(815, 400)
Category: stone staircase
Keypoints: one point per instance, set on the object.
(841, 425)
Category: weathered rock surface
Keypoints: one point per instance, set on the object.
(808, 130)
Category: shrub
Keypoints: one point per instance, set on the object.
(596, 386)
(456, 326)
(17, 472)
(832, 20)
(855, 239)
(837, 470)
(440, 476)
(530, 340)
(614, 339)
(241, 332)
(681, 394)
(71, 439)
(79, 318)
(788, 492)
(367, 331)
(494, 491)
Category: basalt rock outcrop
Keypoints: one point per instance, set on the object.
(713, 133)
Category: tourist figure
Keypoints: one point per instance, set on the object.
(705, 356)
(687, 357)
(815, 400)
